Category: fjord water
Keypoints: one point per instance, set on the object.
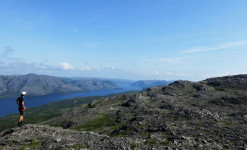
(9, 106)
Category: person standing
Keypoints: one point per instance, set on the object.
(20, 102)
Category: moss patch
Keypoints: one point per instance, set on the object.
(25, 147)
(144, 135)
(124, 133)
(35, 143)
(59, 123)
(97, 123)
(165, 142)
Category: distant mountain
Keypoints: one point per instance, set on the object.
(36, 85)
(150, 83)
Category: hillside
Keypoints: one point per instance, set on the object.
(211, 114)
(37, 85)
(45, 112)
(150, 83)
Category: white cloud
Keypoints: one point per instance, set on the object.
(85, 69)
(67, 66)
(222, 46)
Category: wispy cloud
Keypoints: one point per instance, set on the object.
(219, 47)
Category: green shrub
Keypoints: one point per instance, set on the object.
(35, 143)
(133, 145)
(151, 141)
(165, 142)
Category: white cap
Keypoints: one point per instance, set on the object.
(23, 93)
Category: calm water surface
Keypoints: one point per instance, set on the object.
(9, 106)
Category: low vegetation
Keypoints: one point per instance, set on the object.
(45, 112)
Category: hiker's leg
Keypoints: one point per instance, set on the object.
(21, 118)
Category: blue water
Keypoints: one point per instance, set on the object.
(9, 106)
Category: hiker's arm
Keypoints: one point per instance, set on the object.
(17, 102)
(23, 104)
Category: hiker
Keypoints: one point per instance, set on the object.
(22, 108)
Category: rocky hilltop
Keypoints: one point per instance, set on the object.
(37, 85)
(211, 114)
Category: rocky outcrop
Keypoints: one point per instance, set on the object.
(45, 137)
(237, 82)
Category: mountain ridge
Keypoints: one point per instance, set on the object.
(37, 85)
(150, 83)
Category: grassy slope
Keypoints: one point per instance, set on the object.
(45, 112)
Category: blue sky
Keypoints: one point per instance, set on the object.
(129, 39)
